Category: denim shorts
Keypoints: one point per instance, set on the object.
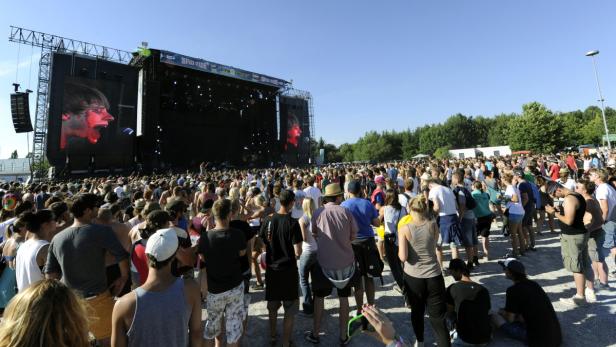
(469, 232)
(449, 227)
(515, 218)
(610, 235)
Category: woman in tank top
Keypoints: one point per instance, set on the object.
(309, 253)
(390, 215)
(8, 281)
(423, 277)
(32, 254)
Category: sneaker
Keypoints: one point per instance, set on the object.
(602, 286)
(418, 344)
(476, 261)
(309, 336)
(591, 298)
(574, 301)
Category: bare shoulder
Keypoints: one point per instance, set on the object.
(125, 305)
(192, 288)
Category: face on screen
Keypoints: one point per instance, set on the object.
(85, 114)
(294, 132)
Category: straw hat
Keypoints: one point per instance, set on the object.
(332, 189)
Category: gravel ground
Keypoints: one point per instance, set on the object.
(593, 325)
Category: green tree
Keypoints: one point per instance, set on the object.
(537, 129)
(373, 146)
(14, 155)
(410, 144)
(498, 133)
(442, 152)
(346, 152)
(432, 137)
(460, 131)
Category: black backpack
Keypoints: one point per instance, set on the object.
(470, 201)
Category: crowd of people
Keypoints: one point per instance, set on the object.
(133, 261)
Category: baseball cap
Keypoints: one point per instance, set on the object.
(163, 244)
(513, 265)
(354, 187)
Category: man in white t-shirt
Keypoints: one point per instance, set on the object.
(606, 195)
(449, 225)
(312, 191)
(405, 197)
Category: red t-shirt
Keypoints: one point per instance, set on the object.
(139, 262)
(554, 171)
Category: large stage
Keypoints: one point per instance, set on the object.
(166, 110)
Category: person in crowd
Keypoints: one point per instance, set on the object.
(47, 313)
(139, 268)
(257, 211)
(62, 215)
(368, 260)
(528, 315)
(77, 256)
(484, 217)
(15, 237)
(527, 198)
(135, 232)
(605, 193)
(282, 237)
(163, 311)
(32, 254)
(445, 206)
(335, 229)
(546, 200)
(514, 212)
(249, 234)
(177, 208)
(425, 285)
(574, 242)
(309, 254)
(390, 214)
(469, 301)
(465, 204)
(593, 221)
(138, 215)
(221, 249)
(312, 191)
(409, 191)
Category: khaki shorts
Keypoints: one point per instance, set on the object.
(595, 245)
(574, 249)
(100, 309)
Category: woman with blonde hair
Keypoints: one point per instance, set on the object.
(48, 313)
(423, 278)
(309, 253)
(514, 212)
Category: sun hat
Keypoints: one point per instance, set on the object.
(332, 189)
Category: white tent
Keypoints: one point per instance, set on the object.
(420, 156)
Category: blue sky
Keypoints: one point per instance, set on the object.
(369, 65)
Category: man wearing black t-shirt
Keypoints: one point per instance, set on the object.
(528, 202)
(528, 315)
(470, 301)
(282, 237)
(221, 249)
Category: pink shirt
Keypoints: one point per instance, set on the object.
(335, 227)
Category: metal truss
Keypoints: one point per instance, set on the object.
(49, 44)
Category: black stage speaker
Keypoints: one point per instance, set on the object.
(20, 109)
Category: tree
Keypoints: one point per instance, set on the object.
(14, 155)
(346, 152)
(442, 152)
(373, 146)
(431, 138)
(460, 131)
(498, 133)
(537, 129)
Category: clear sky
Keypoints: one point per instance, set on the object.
(370, 65)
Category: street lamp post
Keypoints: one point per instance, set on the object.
(592, 54)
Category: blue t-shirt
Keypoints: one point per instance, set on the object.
(364, 212)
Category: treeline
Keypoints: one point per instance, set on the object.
(537, 129)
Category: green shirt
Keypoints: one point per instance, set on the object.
(483, 203)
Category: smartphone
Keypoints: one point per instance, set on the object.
(355, 325)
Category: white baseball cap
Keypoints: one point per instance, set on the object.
(163, 244)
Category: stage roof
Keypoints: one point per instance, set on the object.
(219, 69)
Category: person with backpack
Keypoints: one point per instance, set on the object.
(468, 227)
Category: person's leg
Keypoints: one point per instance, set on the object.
(416, 289)
(234, 316)
(272, 309)
(391, 252)
(318, 313)
(369, 288)
(485, 243)
(551, 222)
(290, 309)
(515, 241)
(580, 280)
(343, 318)
(304, 273)
(381, 247)
(437, 308)
(255, 264)
(439, 255)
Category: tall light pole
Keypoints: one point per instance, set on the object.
(592, 54)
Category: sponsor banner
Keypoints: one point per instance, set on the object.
(219, 69)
